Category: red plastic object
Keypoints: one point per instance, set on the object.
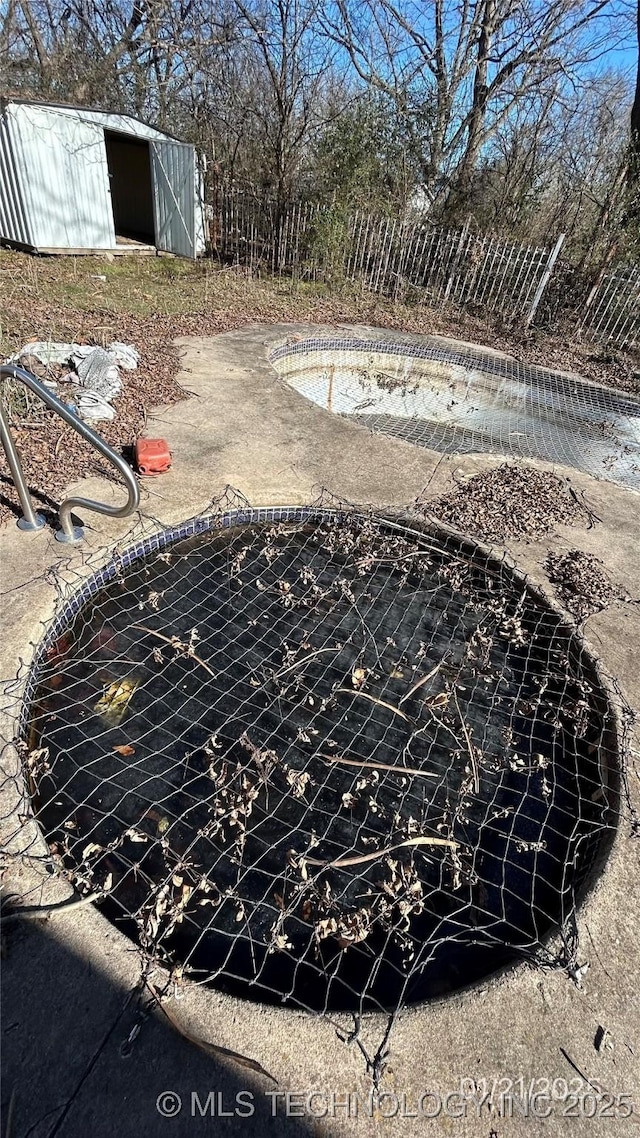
(152, 456)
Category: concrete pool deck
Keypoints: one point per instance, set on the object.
(68, 1005)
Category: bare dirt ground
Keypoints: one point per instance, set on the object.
(150, 302)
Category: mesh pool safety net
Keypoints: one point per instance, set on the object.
(321, 756)
(463, 400)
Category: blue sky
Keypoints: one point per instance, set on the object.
(625, 56)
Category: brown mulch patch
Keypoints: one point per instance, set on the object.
(581, 583)
(510, 502)
(52, 454)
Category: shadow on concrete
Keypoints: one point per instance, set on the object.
(66, 1071)
(42, 502)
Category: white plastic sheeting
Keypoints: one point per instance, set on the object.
(93, 373)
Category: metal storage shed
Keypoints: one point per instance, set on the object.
(80, 180)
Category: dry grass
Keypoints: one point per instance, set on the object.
(151, 301)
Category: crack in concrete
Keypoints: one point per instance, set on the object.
(91, 1065)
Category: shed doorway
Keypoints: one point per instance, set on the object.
(129, 166)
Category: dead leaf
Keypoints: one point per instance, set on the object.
(114, 702)
(124, 749)
(440, 700)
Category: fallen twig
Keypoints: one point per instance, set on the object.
(359, 859)
(582, 1075)
(376, 766)
(379, 702)
(213, 1049)
(420, 683)
(60, 908)
(470, 748)
(401, 557)
(174, 642)
(302, 660)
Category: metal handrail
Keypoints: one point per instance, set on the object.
(31, 520)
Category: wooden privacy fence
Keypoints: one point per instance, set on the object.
(397, 257)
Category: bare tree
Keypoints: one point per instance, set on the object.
(634, 150)
(286, 66)
(469, 63)
(125, 54)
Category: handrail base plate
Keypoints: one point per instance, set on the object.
(26, 525)
(70, 538)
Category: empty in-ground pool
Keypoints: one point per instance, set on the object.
(460, 401)
(320, 757)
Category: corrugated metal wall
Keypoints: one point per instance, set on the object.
(62, 165)
(14, 222)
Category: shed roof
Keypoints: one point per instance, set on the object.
(93, 114)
